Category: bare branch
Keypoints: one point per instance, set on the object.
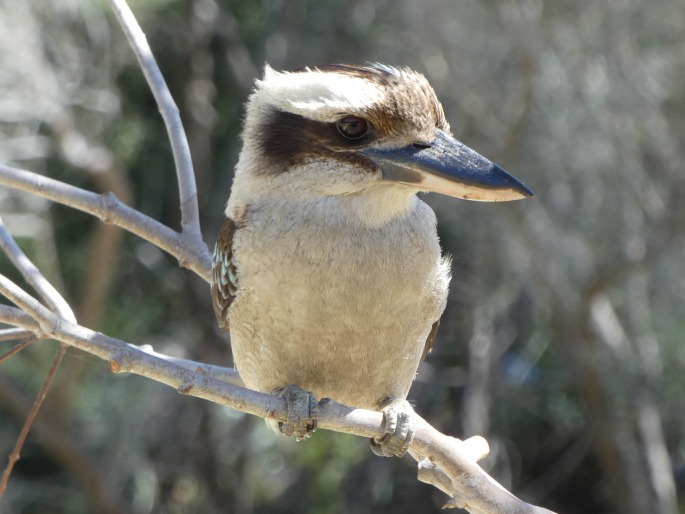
(193, 255)
(190, 219)
(474, 489)
(17, 348)
(18, 318)
(30, 272)
(474, 448)
(125, 358)
(12, 334)
(26, 303)
(228, 375)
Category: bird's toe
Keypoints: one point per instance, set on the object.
(398, 419)
(302, 412)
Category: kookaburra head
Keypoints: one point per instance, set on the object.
(350, 130)
(328, 271)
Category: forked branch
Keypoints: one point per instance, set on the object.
(190, 253)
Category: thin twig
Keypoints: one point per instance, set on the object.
(108, 208)
(33, 276)
(17, 348)
(190, 219)
(72, 456)
(14, 456)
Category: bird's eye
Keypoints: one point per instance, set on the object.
(352, 127)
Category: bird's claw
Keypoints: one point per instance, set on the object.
(398, 420)
(302, 412)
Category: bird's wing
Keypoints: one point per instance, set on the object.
(224, 273)
(429, 340)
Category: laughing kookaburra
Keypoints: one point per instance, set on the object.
(327, 270)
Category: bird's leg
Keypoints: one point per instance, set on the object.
(302, 412)
(398, 420)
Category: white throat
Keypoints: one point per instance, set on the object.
(352, 197)
(379, 205)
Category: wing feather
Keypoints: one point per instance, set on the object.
(224, 273)
(430, 339)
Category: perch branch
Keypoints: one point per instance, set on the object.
(18, 318)
(228, 375)
(470, 485)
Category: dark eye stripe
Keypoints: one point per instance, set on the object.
(286, 139)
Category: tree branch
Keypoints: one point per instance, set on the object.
(12, 334)
(28, 304)
(18, 347)
(107, 207)
(34, 277)
(190, 219)
(474, 489)
(18, 318)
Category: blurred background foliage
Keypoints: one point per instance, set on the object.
(562, 342)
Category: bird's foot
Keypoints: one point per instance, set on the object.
(302, 412)
(398, 420)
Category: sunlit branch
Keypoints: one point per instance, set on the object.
(14, 334)
(26, 302)
(107, 207)
(190, 219)
(473, 488)
(33, 276)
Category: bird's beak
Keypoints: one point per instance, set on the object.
(447, 166)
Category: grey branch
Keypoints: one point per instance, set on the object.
(190, 219)
(471, 487)
(190, 253)
(30, 272)
(12, 334)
